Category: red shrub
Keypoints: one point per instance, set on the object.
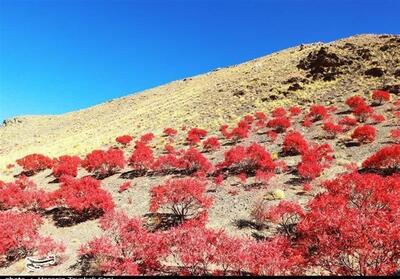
(169, 148)
(377, 118)
(19, 237)
(307, 122)
(124, 140)
(23, 194)
(66, 165)
(219, 179)
(314, 161)
(170, 132)
(363, 112)
(287, 214)
(83, 195)
(395, 135)
(272, 136)
(380, 96)
(364, 134)
(348, 122)
(188, 161)
(332, 129)
(248, 160)
(211, 143)
(355, 101)
(294, 143)
(142, 157)
(146, 138)
(124, 186)
(260, 116)
(104, 162)
(353, 227)
(224, 131)
(279, 112)
(241, 131)
(35, 163)
(249, 119)
(317, 112)
(195, 135)
(126, 248)
(387, 158)
(279, 124)
(197, 250)
(294, 111)
(184, 197)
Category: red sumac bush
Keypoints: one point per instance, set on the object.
(35, 163)
(184, 197)
(66, 165)
(364, 134)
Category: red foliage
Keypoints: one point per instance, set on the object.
(364, 134)
(380, 96)
(248, 160)
(294, 143)
(219, 179)
(66, 165)
(142, 156)
(385, 159)
(224, 131)
(260, 115)
(272, 135)
(35, 163)
(353, 227)
(189, 161)
(23, 194)
(241, 131)
(211, 143)
(355, 101)
(83, 195)
(19, 237)
(279, 124)
(363, 112)
(287, 214)
(126, 248)
(195, 135)
(395, 135)
(377, 118)
(314, 161)
(317, 112)
(294, 111)
(184, 197)
(146, 138)
(170, 132)
(104, 162)
(169, 148)
(348, 122)
(332, 129)
(279, 112)
(124, 186)
(200, 251)
(124, 140)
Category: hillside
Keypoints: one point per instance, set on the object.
(321, 72)
(311, 187)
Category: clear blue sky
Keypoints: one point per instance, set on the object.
(62, 55)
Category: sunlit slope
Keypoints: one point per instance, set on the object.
(325, 73)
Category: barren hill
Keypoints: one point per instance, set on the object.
(319, 72)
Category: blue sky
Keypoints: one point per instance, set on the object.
(62, 55)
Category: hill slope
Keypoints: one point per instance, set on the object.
(324, 73)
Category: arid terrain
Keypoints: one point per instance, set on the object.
(321, 73)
